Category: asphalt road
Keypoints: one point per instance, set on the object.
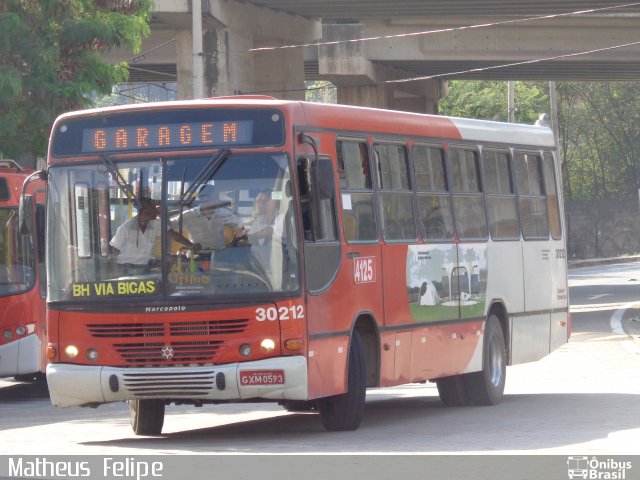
(583, 398)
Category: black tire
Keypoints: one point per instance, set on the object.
(31, 377)
(299, 405)
(487, 386)
(344, 412)
(147, 416)
(453, 391)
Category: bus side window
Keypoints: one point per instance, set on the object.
(434, 209)
(318, 206)
(395, 197)
(468, 200)
(531, 201)
(358, 214)
(551, 191)
(501, 200)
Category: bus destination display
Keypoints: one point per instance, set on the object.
(167, 136)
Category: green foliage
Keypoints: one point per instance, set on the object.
(598, 124)
(51, 61)
(488, 100)
(600, 139)
(321, 92)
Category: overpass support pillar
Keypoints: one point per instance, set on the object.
(362, 82)
(230, 31)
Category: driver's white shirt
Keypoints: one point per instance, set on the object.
(135, 246)
(207, 229)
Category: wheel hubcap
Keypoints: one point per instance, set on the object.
(496, 361)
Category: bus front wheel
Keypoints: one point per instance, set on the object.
(344, 412)
(486, 387)
(453, 391)
(147, 416)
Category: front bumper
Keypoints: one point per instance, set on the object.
(73, 385)
(20, 357)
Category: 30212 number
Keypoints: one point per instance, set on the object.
(272, 314)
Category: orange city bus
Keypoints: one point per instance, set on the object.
(403, 248)
(22, 294)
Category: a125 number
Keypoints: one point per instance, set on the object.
(285, 313)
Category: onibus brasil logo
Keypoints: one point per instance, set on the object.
(597, 469)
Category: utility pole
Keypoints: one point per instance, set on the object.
(511, 107)
(554, 114)
(198, 67)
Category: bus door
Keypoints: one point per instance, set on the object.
(397, 220)
(342, 278)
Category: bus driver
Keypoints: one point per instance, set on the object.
(134, 240)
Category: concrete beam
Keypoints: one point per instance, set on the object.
(505, 43)
(264, 22)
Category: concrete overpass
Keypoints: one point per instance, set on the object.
(414, 38)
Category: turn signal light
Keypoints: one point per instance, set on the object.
(293, 344)
(52, 352)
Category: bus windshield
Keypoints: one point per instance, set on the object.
(208, 226)
(17, 268)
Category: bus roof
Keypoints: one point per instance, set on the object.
(363, 119)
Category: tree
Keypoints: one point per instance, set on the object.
(321, 92)
(600, 139)
(50, 62)
(488, 100)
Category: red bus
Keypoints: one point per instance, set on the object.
(22, 289)
(401, 248)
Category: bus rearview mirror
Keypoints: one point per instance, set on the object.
(25, 214)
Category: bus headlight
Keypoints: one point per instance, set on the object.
(7, 334)
(71, 351)
(20, 330)
(92, 354)
(267, 345)
(245, 349)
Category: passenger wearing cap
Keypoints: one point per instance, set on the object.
(207, 221)
(135, 238)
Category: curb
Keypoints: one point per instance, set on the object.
(571, 264)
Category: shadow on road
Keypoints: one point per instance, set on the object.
(521, 423)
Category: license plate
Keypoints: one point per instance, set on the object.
(261, 377)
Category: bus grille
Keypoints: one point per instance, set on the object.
(174, 353)
(133, 330)
(170, 385)
(171, 343)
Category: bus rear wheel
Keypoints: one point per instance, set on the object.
(344, 412)
(147, 416)
(486, 387)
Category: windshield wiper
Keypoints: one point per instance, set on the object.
(205, 174)
(119, 179)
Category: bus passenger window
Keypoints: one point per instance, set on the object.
(395, 198)
(501, 201)
(434, 211)
(434, 215)
(468, 200)
(531, 201)
(552, 196)
(359, 221)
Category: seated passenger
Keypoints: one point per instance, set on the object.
(207, 221)
(267, 227)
